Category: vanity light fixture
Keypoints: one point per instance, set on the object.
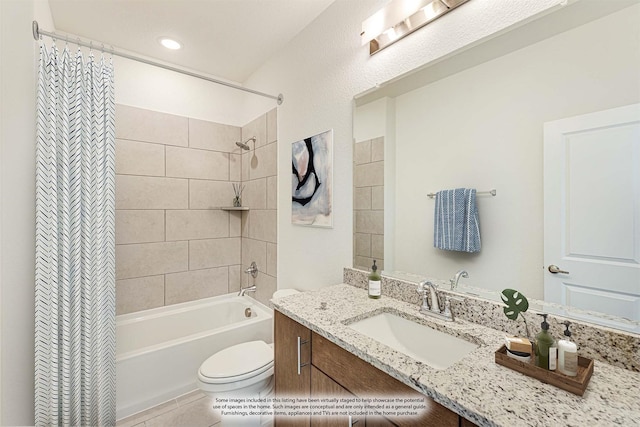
(169, 43)
(400, 18)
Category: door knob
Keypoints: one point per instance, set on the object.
(555, 269)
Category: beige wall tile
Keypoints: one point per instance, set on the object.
(139, 158)
(192, 285)
(272, 125)
(205, 194)
(362, 152)
(363, 244)
(370, 222)
(236, 278)
(377, 149)
(272, 259)
(235, 167)
(245, 166)
(139, 226)
(369, 174)
(141, 192)
(139, 294)
(362, 198)
(213, 136)
(201, 164)
(364, 263)
(377, 197)
(263, 225)
(257, 128)
(196, 224)
(244, 226)
(214, 253)
(151, 126)
(264, 163)
(377, 246)
(235, 223)
(254, 250)
(255, 194)
(272, 192)
(266, 286)
(149, 259)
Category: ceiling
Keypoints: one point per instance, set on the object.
(228, 39)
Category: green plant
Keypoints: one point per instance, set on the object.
(516, 304)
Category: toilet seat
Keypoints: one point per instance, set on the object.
(237, 363)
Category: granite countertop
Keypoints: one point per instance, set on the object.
(475, 387)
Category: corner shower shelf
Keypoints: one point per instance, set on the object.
(233, 208)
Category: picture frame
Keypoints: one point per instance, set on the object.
(312, 180)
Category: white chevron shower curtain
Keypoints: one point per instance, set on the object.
(75, 248)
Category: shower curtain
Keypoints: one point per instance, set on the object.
(75, 248)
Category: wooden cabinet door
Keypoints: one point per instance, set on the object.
(292, 358)
(363, 379)
(323, 386)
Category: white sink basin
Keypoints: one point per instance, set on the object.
(437, 349)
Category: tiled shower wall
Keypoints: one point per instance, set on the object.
(369, 204)
(173, 243)
(259, 224)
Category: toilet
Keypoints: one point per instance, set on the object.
(241, 371)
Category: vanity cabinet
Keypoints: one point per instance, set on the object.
(327, 369)
(291, 359)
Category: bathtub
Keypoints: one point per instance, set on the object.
(159, 351)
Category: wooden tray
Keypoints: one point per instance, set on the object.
(575, 385)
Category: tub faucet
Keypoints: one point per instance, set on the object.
(252, 270)
(456, 278)
(243, 291)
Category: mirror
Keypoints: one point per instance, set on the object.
(475, 119)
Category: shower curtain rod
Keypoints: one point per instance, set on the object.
(37, 33)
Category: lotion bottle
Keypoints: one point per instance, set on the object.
(375, 287)
(567, 354)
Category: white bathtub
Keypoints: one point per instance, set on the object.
(159, 351)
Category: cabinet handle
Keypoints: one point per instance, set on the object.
(301, 365)
(353, 422)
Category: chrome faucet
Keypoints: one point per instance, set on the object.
(253, 271)
(456, 278)
(243, 291)
(429, 292)
(431, 303)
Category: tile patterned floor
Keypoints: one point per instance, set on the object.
(191, 410)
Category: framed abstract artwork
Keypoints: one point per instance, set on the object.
(311, 180)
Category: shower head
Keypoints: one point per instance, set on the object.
(244, 145)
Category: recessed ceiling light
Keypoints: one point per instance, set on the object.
(169, 43)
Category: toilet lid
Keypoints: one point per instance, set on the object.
(238, 360)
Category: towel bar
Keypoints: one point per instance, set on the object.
(491, 192)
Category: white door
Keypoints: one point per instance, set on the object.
(592, 211)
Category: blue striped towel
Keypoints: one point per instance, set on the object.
(456, 226)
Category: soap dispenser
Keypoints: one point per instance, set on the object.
(567, 353)
(375, 288)
(544, 341)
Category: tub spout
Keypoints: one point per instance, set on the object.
(243, 291)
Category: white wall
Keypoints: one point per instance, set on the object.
(482, 128)
(319, 73)
(153, 88)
